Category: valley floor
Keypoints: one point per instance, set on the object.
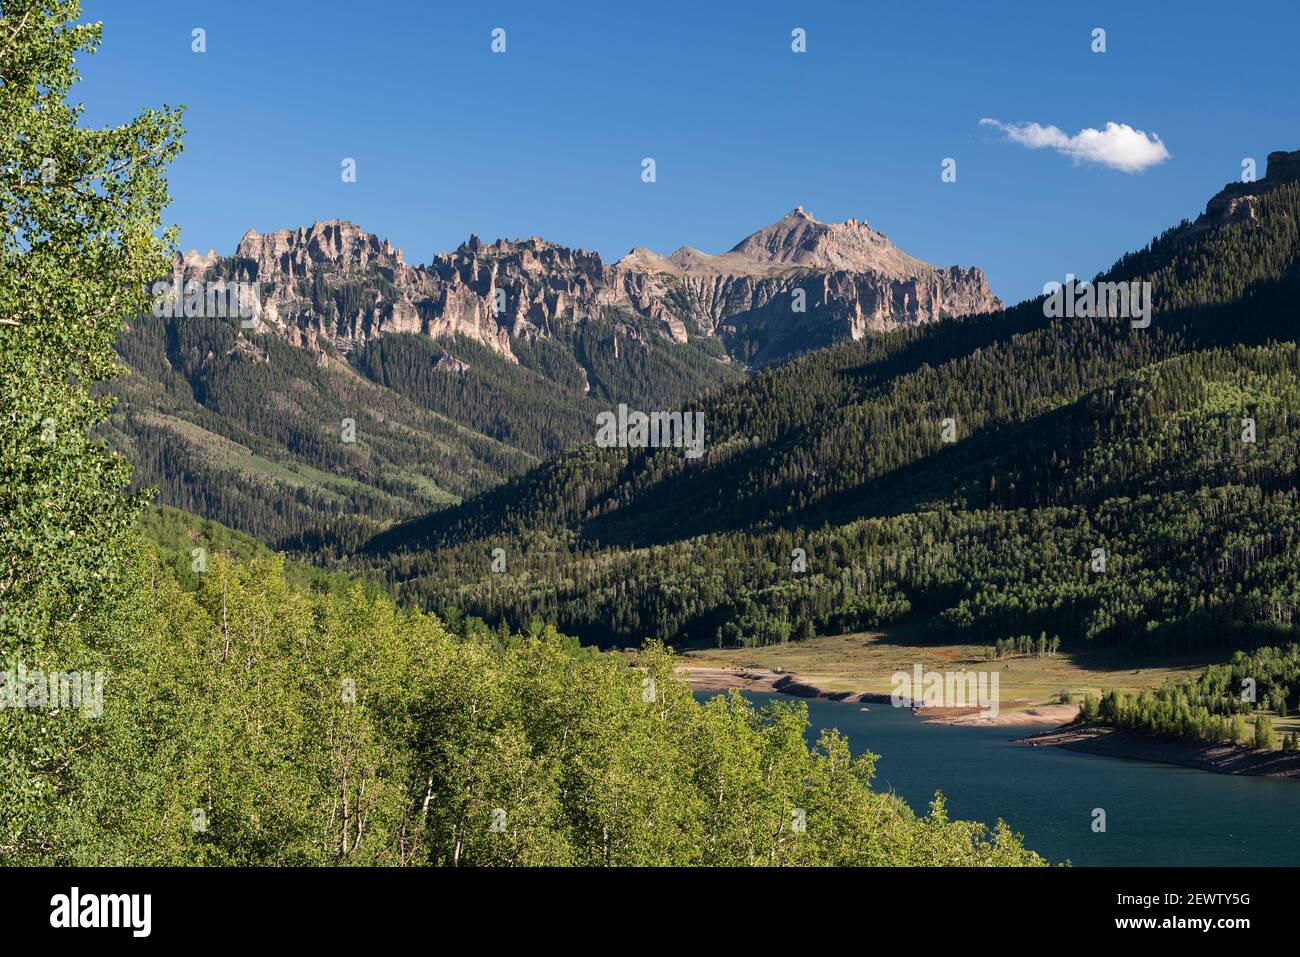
(859, 668)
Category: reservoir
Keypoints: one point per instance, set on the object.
(1156, 814)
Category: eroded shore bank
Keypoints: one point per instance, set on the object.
(721, 679)
(1219, 758)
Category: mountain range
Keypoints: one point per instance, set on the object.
(332, 287)
(472, 368)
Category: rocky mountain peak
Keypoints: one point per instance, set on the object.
(333, 242)
(797, 241)
(1239, 202)
(800, 239)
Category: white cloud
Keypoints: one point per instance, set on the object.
(1118, 146)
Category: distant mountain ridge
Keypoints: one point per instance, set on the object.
(332, 286)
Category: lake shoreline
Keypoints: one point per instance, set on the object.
(1063, 730)
(1218, 758)
(748, 679)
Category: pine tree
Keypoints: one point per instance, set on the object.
(1237, 730)
(1265, 737)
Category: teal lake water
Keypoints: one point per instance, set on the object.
(1156, 814)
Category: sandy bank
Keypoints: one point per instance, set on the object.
(720, 679)
(1220, 758)
(1047, 714)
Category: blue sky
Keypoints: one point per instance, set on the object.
(547, 139)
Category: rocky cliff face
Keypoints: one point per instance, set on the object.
(795, 285)
(1239, 202)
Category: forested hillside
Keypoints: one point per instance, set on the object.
(1100, 485)
(548, 401)
(321, 729)
(1214, 707)
(236, 425)
(250, 431)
